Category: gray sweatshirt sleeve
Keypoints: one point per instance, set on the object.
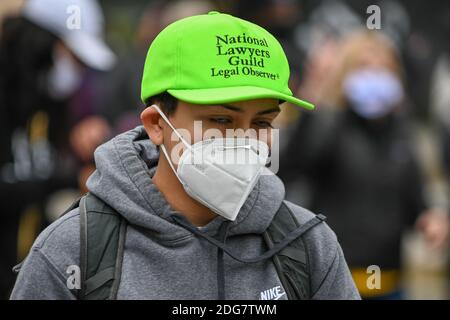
(330, 276)
(335, 283)
(43, 273)
(40, 280)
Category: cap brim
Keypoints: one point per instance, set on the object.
(233, 94)
(91, 50)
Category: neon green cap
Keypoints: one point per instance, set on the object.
(217, 58)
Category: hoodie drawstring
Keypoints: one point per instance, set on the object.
(291, 236)
(223, 231)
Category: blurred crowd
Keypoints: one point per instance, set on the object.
(374, 156)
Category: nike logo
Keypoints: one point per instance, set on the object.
(279, 296)
(272, 294)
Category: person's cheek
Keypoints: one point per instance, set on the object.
(265, 135)
(176, 152)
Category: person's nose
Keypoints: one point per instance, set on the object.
(244, 131)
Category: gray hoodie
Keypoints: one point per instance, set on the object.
(162, 259)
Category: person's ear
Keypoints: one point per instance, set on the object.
(152, 122)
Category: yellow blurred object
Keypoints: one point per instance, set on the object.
(389, 282)
(29, 227)
(39, 127)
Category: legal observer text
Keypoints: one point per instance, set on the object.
(226, 73)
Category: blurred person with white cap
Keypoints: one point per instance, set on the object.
(78, 23)
(119, 100)
(44, 54)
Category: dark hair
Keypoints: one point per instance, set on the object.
(25, 58)
(165, 101)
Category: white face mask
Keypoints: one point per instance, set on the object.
(373, 93)
(219, 173)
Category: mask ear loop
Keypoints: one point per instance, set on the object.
(170, 125)
(163, 148)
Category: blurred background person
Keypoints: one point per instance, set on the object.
(47, 133)
(358, 154)
(119, 90)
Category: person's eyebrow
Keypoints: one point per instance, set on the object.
(237, 109)
(230, 107)
(276, 109)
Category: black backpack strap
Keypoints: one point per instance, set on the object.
(102, 238)
(292, 262)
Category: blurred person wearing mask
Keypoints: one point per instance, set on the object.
(44, 54)
(157, 226)
(358, 157)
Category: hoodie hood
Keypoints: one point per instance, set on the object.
(123, 179)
